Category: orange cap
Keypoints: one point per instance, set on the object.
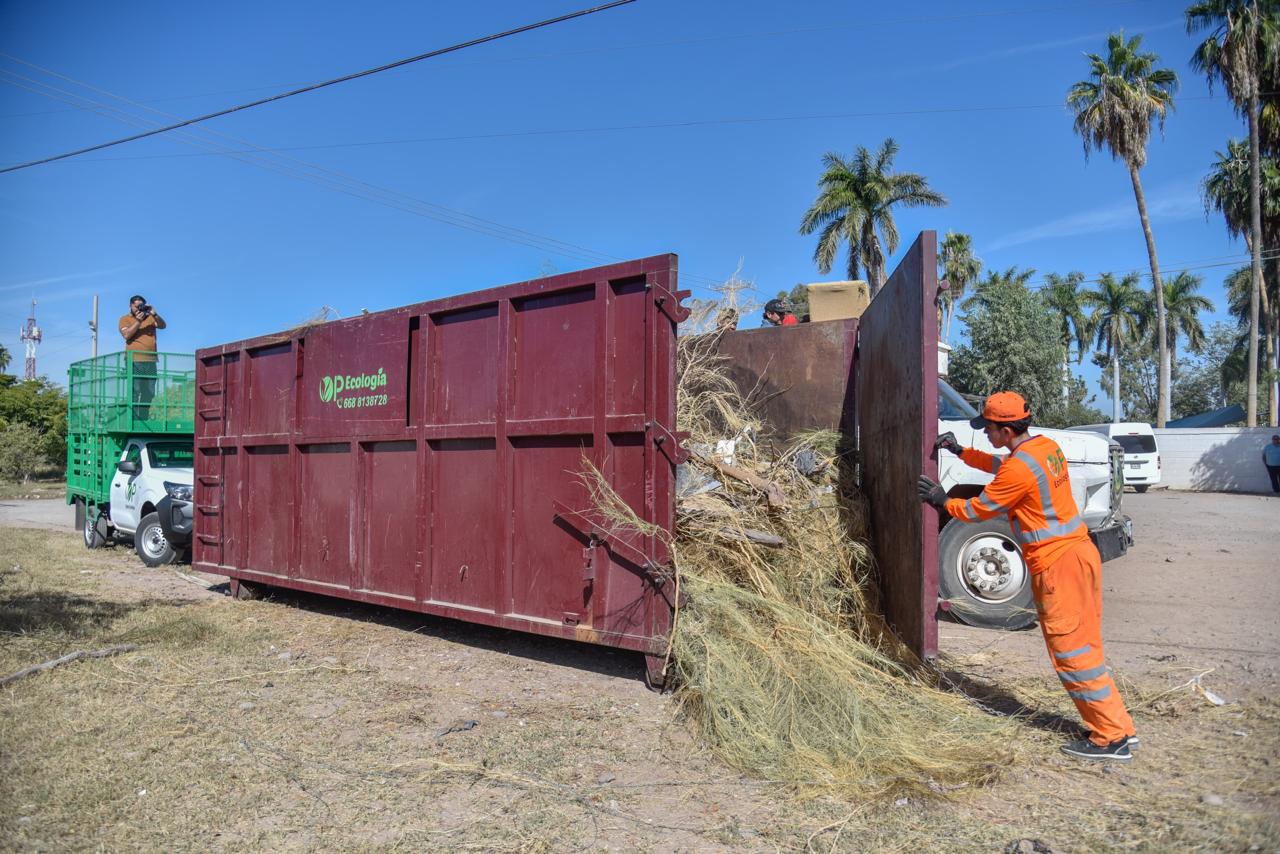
(1003, 406)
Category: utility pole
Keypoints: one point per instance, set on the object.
(93, 326)
(31, 337)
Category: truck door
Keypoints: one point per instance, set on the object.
(124, 490)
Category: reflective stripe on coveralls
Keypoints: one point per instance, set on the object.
(1053, 527)
(1033, 488)
(1069, 601)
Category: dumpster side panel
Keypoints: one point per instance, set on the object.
(431, 457)
(464, 545)
(387, 530)
(897, 405)
(325, 524)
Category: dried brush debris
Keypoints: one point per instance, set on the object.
(780, 663)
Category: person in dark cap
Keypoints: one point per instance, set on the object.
(776, 313)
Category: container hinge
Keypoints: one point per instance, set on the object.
(671, 444)
(616, 542)
(669, 303)
(589, 559)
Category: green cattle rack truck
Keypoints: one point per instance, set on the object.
(130, 429)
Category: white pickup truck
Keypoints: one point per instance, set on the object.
(982, 577)
(150, 500)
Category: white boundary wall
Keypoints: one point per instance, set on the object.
(1214, 459)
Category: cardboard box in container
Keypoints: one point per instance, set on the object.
(837, 300)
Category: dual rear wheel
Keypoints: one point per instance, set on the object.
(983, 576)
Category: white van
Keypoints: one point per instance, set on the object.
(1141, 454)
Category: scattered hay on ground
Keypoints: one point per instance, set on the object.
(779, 663)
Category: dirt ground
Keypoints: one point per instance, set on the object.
(301, 723)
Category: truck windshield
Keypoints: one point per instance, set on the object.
(951, 406)
(170, 455)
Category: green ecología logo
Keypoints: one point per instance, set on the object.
(335, 389)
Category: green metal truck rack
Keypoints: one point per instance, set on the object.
(102, 414)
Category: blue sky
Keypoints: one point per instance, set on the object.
(662, 126)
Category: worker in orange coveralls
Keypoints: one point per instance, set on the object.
(1032, 488)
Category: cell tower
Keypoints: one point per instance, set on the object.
(31, 336)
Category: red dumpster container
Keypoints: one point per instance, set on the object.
(429, 457)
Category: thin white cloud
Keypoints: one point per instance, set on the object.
(33, 284)
(1171, 205)
(1039, 47)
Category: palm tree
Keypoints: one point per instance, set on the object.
(959, 267)
(1114, 109)
(1183, 306)
(1116, 321)
(1239, 288)
(4, 358)
(1227, 190)
(981, 296)
(1063, 297)
(856, 196)
(1243, 40)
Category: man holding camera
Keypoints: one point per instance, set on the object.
(139, 330)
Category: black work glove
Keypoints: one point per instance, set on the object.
(931, 492)
(948, 442)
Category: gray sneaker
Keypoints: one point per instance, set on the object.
(1116, 751)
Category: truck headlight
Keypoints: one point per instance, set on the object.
(178, 491)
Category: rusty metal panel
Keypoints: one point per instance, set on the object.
(798, 378)
(897, 406)
(429, 457)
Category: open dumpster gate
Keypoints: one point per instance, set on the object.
(432, 457)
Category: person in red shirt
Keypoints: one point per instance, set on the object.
(1032, 488)
(777, 314)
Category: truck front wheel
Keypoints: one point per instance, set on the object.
(150, 543)
(983, 576)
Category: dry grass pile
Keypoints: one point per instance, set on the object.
(778, 657)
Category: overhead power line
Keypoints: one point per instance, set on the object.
(690, 123)
(323, 177)
(314, 86)
(861, 25)
(1181, 267)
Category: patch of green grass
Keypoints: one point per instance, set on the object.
(51, 486)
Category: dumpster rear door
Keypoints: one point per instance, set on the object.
(897, 405)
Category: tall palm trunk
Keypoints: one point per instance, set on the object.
(1115, 386)
(1255, 228)
(867, 245)
(1162, 384)
(1066, 377)
(1269, 316)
